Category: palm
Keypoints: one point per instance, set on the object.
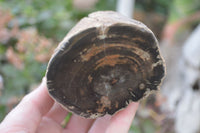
(51, 122)
(37, 112)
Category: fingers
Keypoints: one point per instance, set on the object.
(51, 122)
(57, 113)
(78, 124)
(119, 123)
(100, 125)
(48, 125)
(26, 116)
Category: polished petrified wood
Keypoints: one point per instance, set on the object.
(105, 62)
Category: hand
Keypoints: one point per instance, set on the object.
(37, 112)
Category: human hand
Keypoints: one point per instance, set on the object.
(37, 112)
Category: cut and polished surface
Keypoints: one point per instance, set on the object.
(102, 67)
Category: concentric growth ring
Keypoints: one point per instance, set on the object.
(103, 67)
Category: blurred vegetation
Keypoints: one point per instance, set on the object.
(183, 8)
(158, 6)
(29, 32)
(31, 29)
(48, 16)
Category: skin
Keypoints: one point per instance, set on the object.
(38, 113)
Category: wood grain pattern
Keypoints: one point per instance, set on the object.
(105, 62)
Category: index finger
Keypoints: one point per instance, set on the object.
(119, 123)
(26, 116)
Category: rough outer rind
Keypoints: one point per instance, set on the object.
(105, 62)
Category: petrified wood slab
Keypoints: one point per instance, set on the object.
(105, 62)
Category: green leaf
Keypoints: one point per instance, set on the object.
(3, 112)
(66, 120)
